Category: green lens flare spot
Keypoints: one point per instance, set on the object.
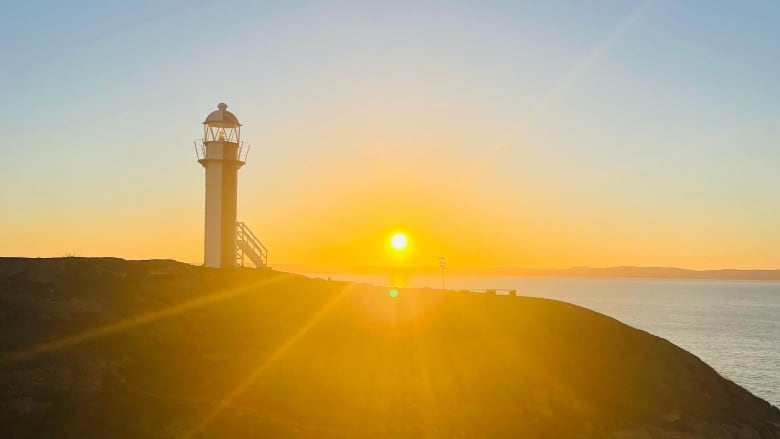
(393, 293)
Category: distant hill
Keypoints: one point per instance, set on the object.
(626, 272)
(641, 273)
(99, 348)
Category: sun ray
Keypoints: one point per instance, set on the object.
(585, 64)
(424, 353)
(274, 357)
(136, 321)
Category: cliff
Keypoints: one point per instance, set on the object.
(113, 348)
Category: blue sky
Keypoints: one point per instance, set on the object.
(607, 119)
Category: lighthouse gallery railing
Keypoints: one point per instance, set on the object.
(243, 150)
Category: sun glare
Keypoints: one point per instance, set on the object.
(399, 241)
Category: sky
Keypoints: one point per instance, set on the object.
(534, 134)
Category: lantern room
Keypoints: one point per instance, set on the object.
(221, 126)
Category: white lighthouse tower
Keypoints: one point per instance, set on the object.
(221, 152)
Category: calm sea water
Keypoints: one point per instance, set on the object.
(732, 326)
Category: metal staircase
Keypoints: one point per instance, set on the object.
(248, 246)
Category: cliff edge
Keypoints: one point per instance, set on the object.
(102, 347)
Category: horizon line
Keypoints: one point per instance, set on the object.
(434, 267)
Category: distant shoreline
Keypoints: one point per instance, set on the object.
(660, 273)
(623, 272)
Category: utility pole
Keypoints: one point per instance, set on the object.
(443, 266)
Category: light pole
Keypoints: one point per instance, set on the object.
(443, 266)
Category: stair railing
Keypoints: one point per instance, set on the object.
(243, 233)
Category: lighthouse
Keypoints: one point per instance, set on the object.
(227, 242)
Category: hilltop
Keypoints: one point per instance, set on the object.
(112, 348)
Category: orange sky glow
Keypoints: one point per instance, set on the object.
(516, 135)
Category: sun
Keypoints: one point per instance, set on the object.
(399, 241)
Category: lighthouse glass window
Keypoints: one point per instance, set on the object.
(221, 133)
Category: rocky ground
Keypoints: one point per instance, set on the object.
(113, 348)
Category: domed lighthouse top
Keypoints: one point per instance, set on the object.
(221, 126)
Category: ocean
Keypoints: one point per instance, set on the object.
(734, 326)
